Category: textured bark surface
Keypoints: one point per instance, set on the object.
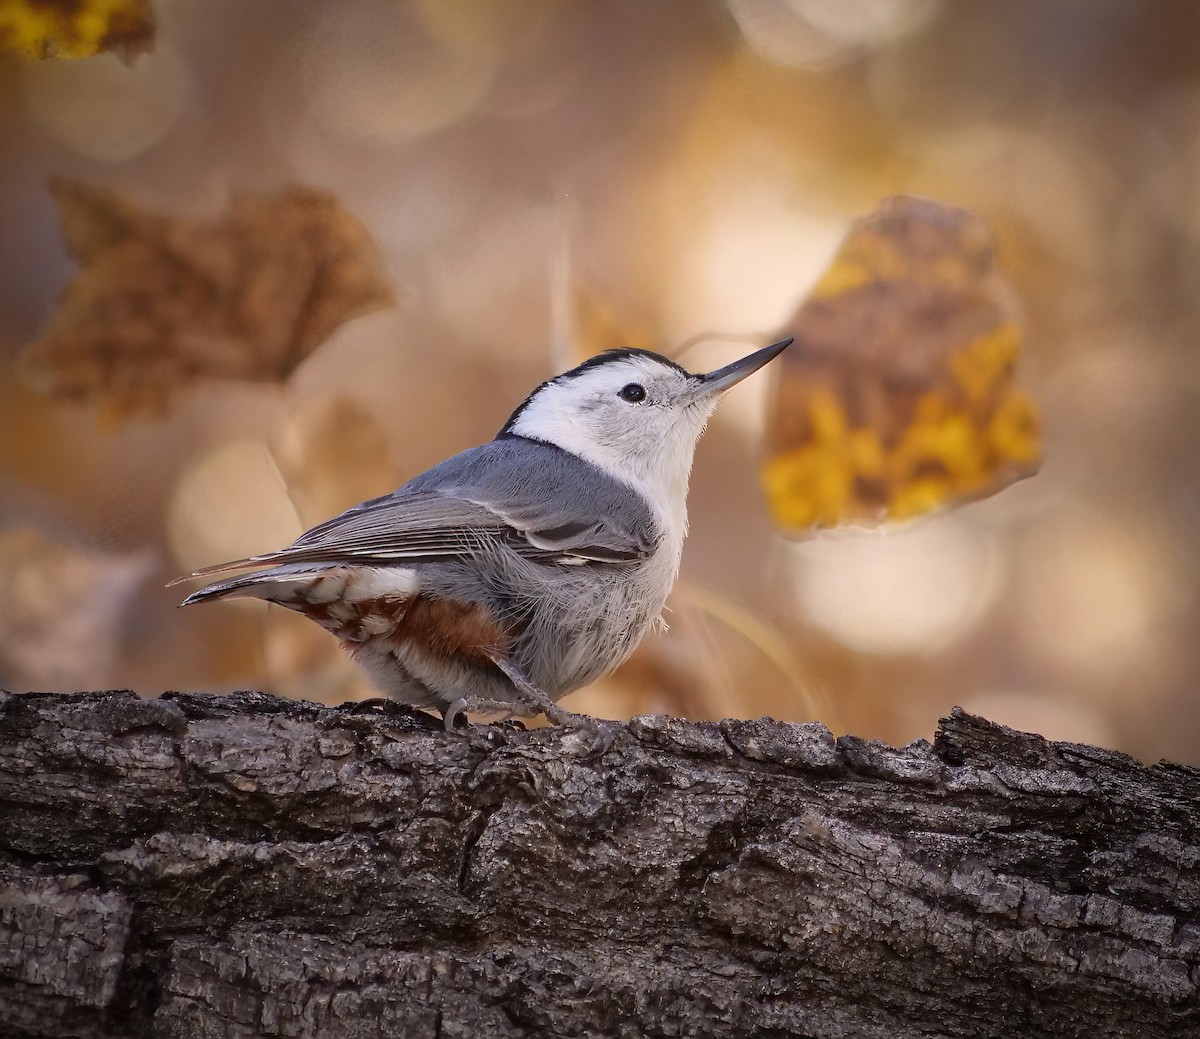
(242, 866)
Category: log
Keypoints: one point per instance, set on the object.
(243, 866)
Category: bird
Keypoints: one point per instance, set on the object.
(520, 570)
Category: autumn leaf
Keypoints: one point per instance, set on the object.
(162, 301)
(899, 397)
(76, 28)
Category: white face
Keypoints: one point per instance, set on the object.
(633, 414)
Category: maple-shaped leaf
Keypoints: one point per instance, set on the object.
(898, 396)
(162, 301)
(76, 28)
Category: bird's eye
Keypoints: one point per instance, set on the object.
(634, 393)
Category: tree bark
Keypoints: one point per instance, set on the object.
(238, 866)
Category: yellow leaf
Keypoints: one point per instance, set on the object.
(898, 396)
(987, 362)
(76, 28)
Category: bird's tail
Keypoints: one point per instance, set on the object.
(281, 584)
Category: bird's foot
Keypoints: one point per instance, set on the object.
(568, 719)
(598, 735)
(455, 715)
(537, 701)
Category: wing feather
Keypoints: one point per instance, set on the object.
(494, 494)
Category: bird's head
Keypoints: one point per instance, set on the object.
(632, 413)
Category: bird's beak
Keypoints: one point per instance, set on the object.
(714, 383)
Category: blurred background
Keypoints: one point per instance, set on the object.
(545, 179)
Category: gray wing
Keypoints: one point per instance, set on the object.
(540, 501)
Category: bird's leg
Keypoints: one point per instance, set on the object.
(538, 700)
(532, 699)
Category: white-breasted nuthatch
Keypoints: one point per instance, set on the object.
(517, 571)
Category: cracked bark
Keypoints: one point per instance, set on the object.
(247, 866)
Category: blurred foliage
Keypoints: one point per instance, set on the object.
(897, 398)
(76, 28)
(546, 178)
(61, 604)
(161, 302)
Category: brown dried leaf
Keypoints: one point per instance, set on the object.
(898, 396)
(76, 28)
(162, 301)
